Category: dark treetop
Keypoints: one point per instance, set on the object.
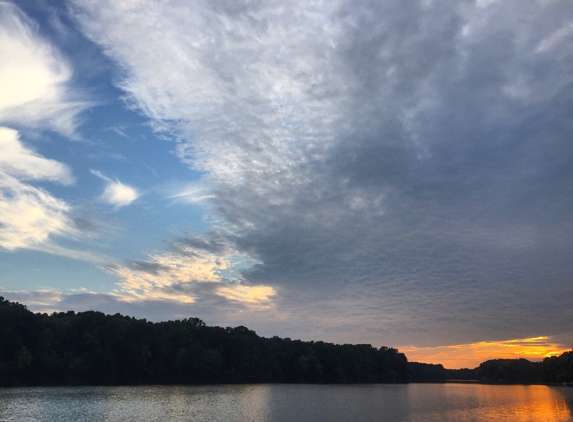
(90, 348)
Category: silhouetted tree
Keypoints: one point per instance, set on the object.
(91, 348)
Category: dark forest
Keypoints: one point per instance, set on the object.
(91, 348)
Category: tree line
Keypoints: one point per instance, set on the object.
(91, 348)
(552, 370)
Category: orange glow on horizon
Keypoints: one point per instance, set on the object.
(472, 354)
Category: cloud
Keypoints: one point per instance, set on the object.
(257, 295)
(38, 94)
(214, 310)
(25, 164)
(192, 193)
(41, 300)
(194, 269)
(403, 166)
(116, 193)
(29, 215)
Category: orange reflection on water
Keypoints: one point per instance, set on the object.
(472, 354)
(527, 403)
(491, 403)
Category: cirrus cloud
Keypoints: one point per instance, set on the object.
(29, 215)
(38, 93)
(22, 162)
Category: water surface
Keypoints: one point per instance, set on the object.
(284, 402)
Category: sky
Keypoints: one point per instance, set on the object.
(398, 173)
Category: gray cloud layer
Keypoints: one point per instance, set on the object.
(401, 170)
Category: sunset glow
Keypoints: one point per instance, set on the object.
(471, 355)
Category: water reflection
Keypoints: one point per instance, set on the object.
(491, 403)
(277, 403)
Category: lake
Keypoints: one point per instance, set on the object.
(288, 402)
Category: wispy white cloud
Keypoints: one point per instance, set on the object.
(119, 130)
(29, 215)
(25, 164)
(36, 91)
(36, 77)
(116, 193)
(80, 255)
(193, 193)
